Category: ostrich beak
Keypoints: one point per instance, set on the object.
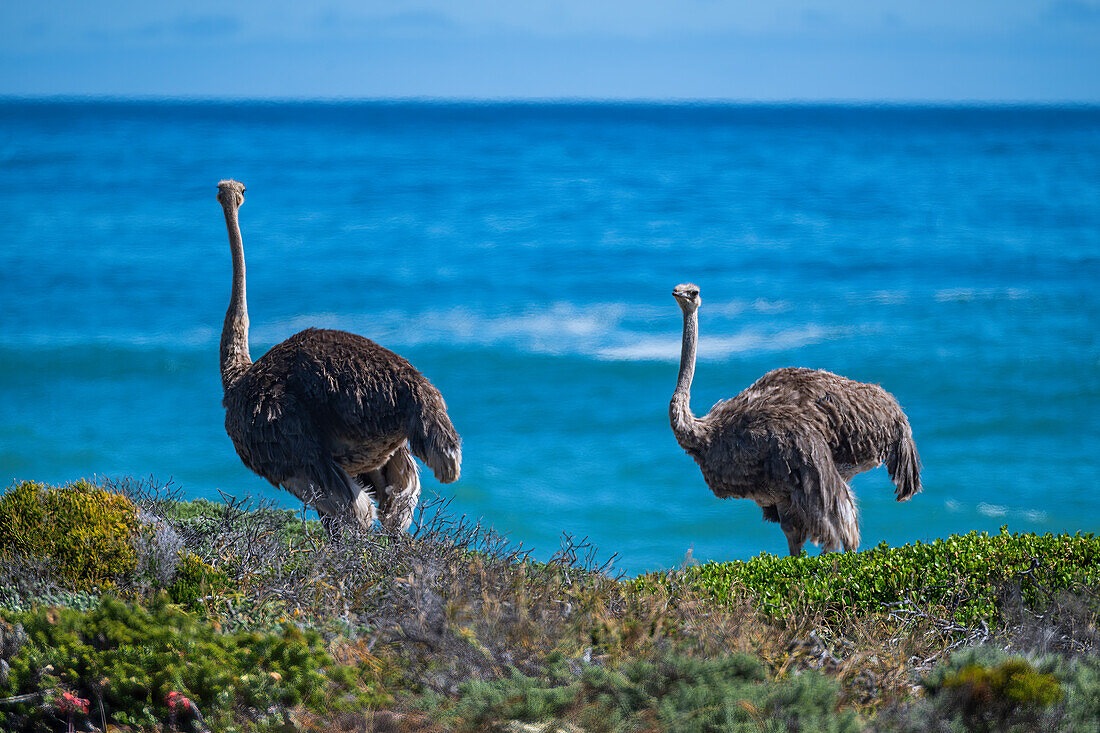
(231, 192)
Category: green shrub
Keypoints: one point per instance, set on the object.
(964, 573)
(196, 579)
(84, 533)
(198, 516)
(989, 697)
(130, 658)
(672, 692)
(986, 689)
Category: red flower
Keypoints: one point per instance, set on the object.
(70, 703)
(177, 701)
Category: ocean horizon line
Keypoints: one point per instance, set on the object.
(566, 101)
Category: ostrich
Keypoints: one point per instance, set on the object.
(792, 441)
(330, 416)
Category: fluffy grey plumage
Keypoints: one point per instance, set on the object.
(792, 441)
(330, 416)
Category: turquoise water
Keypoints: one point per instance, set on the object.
(522, 257)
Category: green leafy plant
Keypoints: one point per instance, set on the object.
(962, 574)
(196, 579)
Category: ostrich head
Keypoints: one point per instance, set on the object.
(230, 193)
(687, 295)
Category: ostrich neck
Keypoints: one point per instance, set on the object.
(234, 346)
(685, 425)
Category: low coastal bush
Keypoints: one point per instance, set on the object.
(672, 692)
(450, 627)
(126, 659)
(987, 689)
(965, 576)
(196, 580)
(85, 533)
(989, 697)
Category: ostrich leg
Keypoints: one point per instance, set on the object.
(796, 535)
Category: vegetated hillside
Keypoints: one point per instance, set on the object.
(124, 608)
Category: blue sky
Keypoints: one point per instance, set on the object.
(770, 50)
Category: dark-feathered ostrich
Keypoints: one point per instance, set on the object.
(330, 416)
(792, 441)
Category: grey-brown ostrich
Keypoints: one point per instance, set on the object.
(330, 416)
(792, 441)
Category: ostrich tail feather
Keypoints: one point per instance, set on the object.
(903, 462)
(363, 510)
(434, 440)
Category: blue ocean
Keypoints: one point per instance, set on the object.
(522, 256)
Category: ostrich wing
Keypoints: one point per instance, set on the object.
(275, 438)
(776, 458)
(820, 496)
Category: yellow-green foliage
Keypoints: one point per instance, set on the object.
(984, 690)
(1014, 681)
(84, 532)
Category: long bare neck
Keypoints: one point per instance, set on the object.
(686, 427)
(235, 359)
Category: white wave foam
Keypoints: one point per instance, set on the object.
(716, 347)
(992, 510)
(605, 331)
(998, 510)
(965, 295)
(883, 297)
(558, 328)
(646, 349)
